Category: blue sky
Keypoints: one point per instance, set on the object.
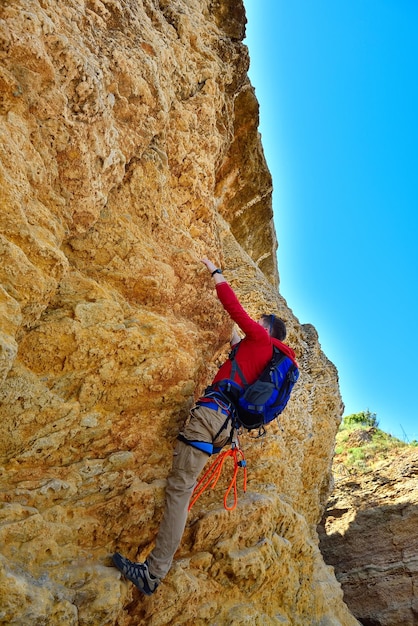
(337, 83)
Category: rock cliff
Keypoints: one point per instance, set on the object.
(129, 150)
(370, 535)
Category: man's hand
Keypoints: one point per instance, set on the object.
(211, 267)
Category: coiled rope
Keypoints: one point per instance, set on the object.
(211, 476)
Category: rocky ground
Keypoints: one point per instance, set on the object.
(369, 533)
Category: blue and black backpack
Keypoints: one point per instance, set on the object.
(262, 401)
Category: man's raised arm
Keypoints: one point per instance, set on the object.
(216, 273)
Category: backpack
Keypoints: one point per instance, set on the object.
(262, 401)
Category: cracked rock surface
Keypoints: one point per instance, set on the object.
(370, 536)
(129, 150)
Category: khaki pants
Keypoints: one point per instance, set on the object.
(188, 462)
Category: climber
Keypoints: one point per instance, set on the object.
(209, 429)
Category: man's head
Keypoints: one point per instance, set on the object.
(274, 325)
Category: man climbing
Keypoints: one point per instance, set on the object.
(208, 430)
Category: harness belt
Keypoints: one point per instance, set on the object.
(209, 448)
(215, 406)
(215, 403)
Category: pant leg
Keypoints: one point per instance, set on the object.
(188, 462)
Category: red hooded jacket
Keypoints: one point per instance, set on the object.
(256, 349)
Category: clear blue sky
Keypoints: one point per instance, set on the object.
(337, 83)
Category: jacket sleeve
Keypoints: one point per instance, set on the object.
(251, 328)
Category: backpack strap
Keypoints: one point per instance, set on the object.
(235, 368)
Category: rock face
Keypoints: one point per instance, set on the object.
(370, 536)
(129, 150)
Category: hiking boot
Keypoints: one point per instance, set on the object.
(137, 573)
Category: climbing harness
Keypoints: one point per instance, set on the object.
(211, 477)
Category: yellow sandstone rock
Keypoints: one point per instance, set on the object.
(129, 150)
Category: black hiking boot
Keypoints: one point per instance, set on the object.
(137, 573)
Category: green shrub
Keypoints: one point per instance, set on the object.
(364, 418)
(355, 455)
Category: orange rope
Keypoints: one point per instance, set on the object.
(211, 476)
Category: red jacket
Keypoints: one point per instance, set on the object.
(256, 349)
